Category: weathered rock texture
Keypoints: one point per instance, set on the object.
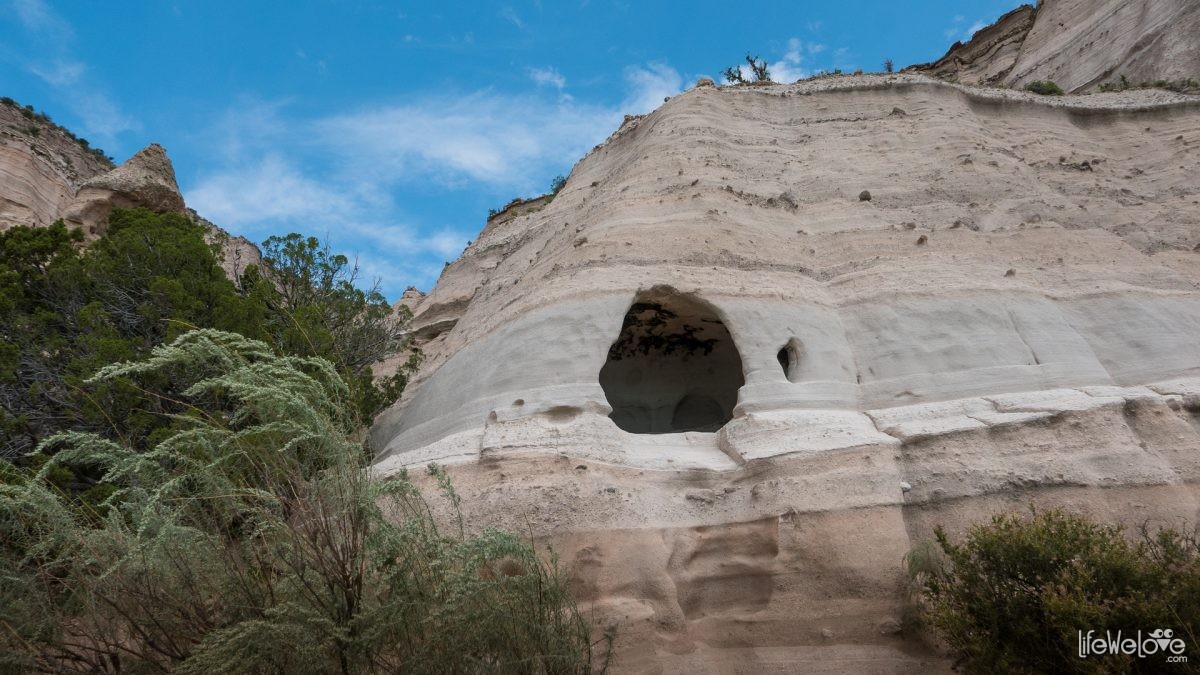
(45, 175)
(41, 169)
(1080, 44)
(147, 179)
(1011, 317)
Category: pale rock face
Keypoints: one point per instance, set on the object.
(1011, 318)
(147, 179)
(1080, 44)
(45, 176)
(41, 169)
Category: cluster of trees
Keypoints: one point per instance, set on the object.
(186, 486)
(66, 311)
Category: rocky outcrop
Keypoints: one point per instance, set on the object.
(1010, 318)
(41, 168)
(147, 180)
(47, 174)
(1079, 45)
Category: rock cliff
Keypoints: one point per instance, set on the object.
(767, 337)
(41, 168)
(47, 174)
(1079, 45)
(147, 179)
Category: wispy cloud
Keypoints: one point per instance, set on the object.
(958, 33)
(548, 77)
(272, 189)
(509, 14)
(649, 85)
(341, 171)
(791, 67)
(52, 60)
(36, 17)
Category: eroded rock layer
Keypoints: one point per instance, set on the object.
(46, 175)
(41, 168)
(944, 301)
(1080, 44)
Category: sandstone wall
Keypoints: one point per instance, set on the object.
(1080, 44)
(41, 169)
(1010, 318)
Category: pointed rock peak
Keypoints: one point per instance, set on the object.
(147, 178)
(152, 158)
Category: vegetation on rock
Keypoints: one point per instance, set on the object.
(248, 537)
(29, 113)
(758, 70)
(1014, 594)
(1046, 88)
(1182, 86)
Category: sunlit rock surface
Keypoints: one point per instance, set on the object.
(1010, 318)
(1079, 45)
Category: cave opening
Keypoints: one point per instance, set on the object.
(674, 366)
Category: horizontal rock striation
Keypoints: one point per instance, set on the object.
(1079, 45)
(41, 168)
(1010, 317)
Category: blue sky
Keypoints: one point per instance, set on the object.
(392, 127)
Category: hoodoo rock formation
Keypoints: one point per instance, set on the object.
(732, 394)
(1079, 45)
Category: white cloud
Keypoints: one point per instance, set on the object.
(649, 85)
(59, 73)
(341, 171)
(102, 118)
(270, 190)
(957, 33)
(548, 77)
(487, 137)
(790, 68)
(36, 17)
(510, 15)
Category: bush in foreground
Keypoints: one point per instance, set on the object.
(251, 539)
(1013, 595)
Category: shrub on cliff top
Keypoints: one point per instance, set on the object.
(758, 70)
(1015, 593)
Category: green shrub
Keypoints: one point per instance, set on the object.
(1182, 86)
(1015, 593)
(758, 70)
(1045, 88)
(557, 185)
(251, 539)
(66, 312)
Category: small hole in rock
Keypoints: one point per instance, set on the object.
(790, 358)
